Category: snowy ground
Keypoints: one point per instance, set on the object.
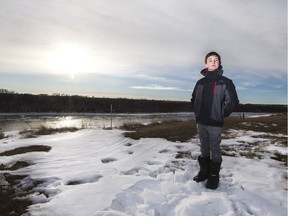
(95, 172)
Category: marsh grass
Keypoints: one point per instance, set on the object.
(22, 150)
(46, 131)
(13, 197)
(183, 131)
(15, 166)
(275, 124)
(173, 130)
(249, 154)
(13, 201)
(274, 130)
(2, 135)
(280, 157)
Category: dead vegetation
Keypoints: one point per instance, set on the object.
(22, 150)
(171, 130)
(13, 197)
(185, 130)
(274, 124)
(2, 135)
(271, 129)
(13, 200)
(46, 131)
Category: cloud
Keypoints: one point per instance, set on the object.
(149, 34)
(161, 41)
(148, 77)
(154, 87)
(157, 87)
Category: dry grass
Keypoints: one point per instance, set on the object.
(272, 126)
(15, 166)
(275, 124)
(274, 130)
(13, 197)
(182, 131)
(171, 130)
(2, 135)
(22, 150)
(46, 131)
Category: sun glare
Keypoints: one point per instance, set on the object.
(69, 59)
(67, 122)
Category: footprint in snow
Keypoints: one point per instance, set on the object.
(164, 151)
(128, 144)
(136, 171)
(108, 160)
(84, 179)
(153, 163)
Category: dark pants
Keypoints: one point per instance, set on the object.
(210, 139)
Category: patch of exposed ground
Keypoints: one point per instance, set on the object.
(14, 198)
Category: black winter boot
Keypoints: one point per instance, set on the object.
(213, 179)
(204, 169)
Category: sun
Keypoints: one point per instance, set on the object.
(69, 59)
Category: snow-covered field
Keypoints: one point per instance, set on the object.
(95, 172)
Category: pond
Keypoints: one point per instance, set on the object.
(23, 121)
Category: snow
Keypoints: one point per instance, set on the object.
(101, 172)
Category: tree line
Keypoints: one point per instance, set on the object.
(16, 103)
(11, 102)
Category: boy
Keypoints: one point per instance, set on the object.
(214, 98)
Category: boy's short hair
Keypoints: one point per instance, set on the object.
(213, 54)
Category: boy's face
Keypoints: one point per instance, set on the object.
(212, 63)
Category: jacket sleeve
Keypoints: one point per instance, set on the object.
(231, 99)
(193, 97)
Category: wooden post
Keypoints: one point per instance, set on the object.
(111, 115)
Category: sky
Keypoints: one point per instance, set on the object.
(152, 49)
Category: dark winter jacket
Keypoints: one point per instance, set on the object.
(214, 97)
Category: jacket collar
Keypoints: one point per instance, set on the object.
(218, 71)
